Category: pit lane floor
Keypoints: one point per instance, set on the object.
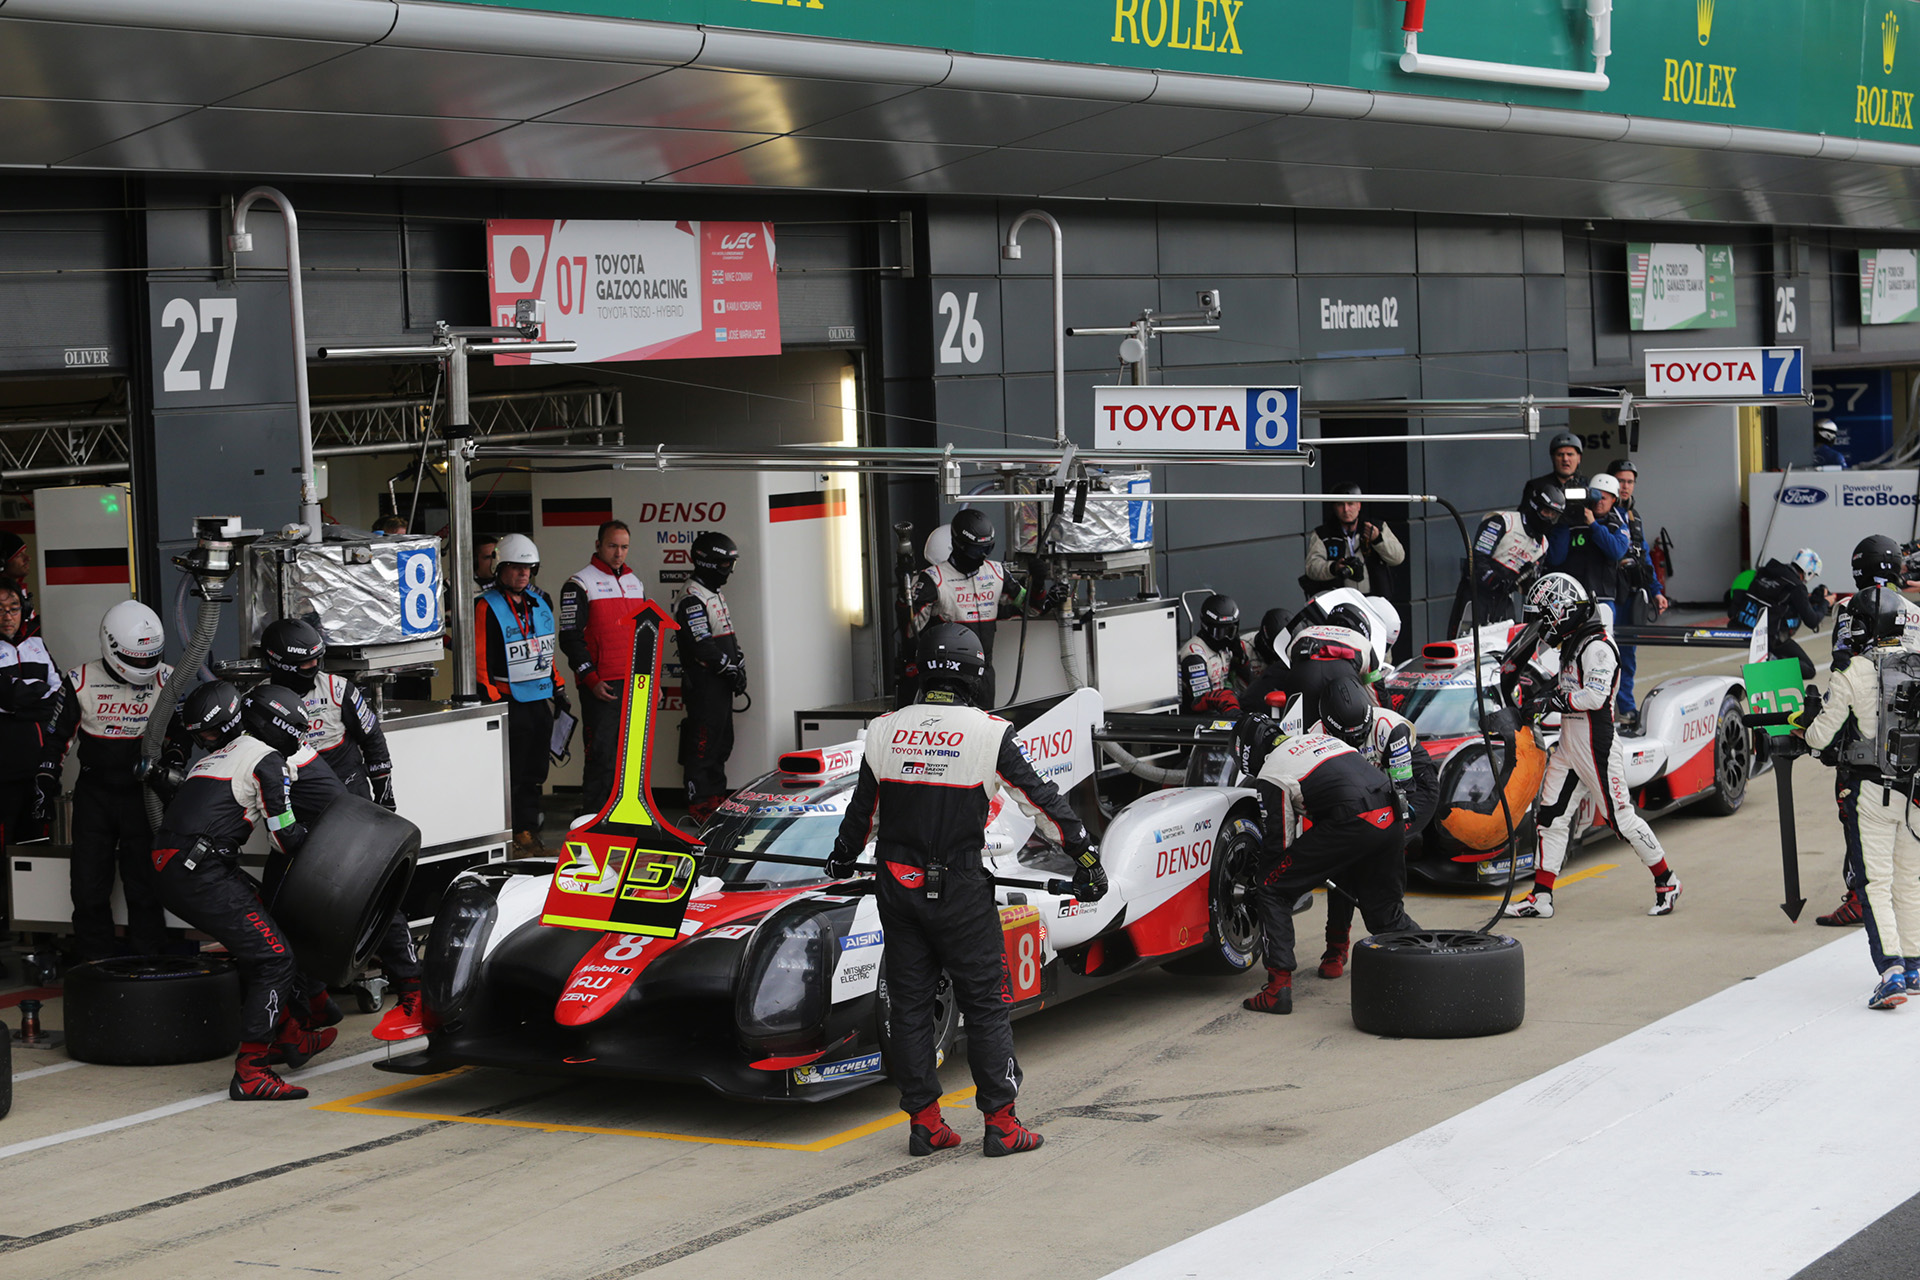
(1168, 1110)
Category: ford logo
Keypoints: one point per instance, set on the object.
(1802, 495)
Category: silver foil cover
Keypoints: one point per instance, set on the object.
(350, 587)
(1108, 526)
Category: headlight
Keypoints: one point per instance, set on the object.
(783, 983)
(456, 943)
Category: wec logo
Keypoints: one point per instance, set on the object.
(739, 240)
(1802, 495)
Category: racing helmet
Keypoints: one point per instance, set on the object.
(1353, 617)
(1387, 616)
(1876, 561)
(1561, 603)
(1347, 711)
(714, 555)
(1254, 738)
(1273, 625)
(293, 648)
(939, 545)
(1826, 431)
(211, 714)
(973, 540)
(1219, 621)
(274, 715)
(952, 664)
(1542, 503)
(516, 548)
(1807, 561)
(131, 641)
(1877, 616)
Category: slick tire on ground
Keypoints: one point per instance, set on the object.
(1438, 984)
(150, 1011)
(6, 1072)
(343, 887)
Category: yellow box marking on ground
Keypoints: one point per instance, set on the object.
(354, 1106)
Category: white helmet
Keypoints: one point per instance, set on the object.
(1807, 560)
(1604, 483)
(1387, 616)
(131, 641)
(1562, 604)
(939, 545)
(516, 548)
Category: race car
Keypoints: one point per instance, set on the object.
(1692, 746)
(774, 989)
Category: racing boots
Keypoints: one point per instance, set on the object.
(1275, 997)
(255, 1081)
(407, 1019)
(1891, 990)
(293, 1044)
(323, 1010)
(1006, 1136)
(1333, 961)
(1848, 912)
(931, 1132)
(1666, 894)
(1537, 905)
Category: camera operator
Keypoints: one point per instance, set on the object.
(1589, 545)
(1779, 589)
(1338, 551)
(1879, 685)
(1642, 597)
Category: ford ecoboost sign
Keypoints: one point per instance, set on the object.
(1802, 495)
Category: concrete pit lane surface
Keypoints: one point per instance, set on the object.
(1168, 1110)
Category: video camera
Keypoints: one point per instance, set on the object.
(1903, 736)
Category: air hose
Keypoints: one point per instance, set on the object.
(183, 677)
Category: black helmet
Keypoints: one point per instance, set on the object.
(1542, 503)
(1566, 440)
(1273, 624)
(1219, 621)
(1347, 711)
(1877, 561)
(1353, 618)
(1254, 738)
(275, 716)
(293, 649)
(952, 664)
(1877, 615)
(211, 713)
(972, 540)
(714, 555)
(1622, 467)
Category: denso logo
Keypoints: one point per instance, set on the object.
(1045, 746)
(680, 513)
(928, 738)
(739, 240)
(1802, 495)
(1183, 857)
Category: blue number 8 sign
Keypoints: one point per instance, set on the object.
(1273, 418)
(419, 591)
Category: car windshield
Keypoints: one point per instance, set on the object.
(1437, 709)
(801, 827)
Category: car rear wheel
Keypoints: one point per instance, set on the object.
(1233, 925)
(1732, 761)
(1436, 984)
(947, 1023)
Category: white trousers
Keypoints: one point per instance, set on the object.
(1587, 761)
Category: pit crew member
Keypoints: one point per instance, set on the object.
(712, 672)
(1391, 744)
(597, 609)
(1268, 645)
(1317, 656)
(1506, 548)
(971, 588)
(108, 702)
(1826, 446)
(1889, 849)
(29, 699)
(196, 853)
(15, 564)
(341, 724)
(1779, 589)
(1213, 661)
(515, 636)
(1587, 761)
(1357, 839)
(930, 773)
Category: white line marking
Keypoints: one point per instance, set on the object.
(194, 1104)
(1754, 1111)
(68, 1065)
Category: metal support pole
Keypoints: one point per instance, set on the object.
(241, 242)
(466, 663)
(1011, 251)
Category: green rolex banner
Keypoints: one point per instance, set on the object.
(1774, 688)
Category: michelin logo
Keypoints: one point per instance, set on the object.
(826, 1072)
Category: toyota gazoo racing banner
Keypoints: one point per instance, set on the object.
(639, 290)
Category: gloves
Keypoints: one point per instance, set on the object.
(735, 675)
(1090, 881)
(1808, 710)
(840, 863)
(1054, 596)
(1220, 702)
(46, 796)
(382, 784)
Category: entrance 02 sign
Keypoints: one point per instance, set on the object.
(639, 290)
(1889, 286)
(1197, 419)
(1679, 286)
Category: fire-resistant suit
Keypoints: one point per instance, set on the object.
(1504, 553)
(1393, 747)
(711, 672)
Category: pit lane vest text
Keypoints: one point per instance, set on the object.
(529, 653)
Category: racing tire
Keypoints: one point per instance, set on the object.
(344, 886)
(152, 1011)
(1732, 761)
(6, 1071)
(947, 1022)
(1438, 984)
(1233, 925)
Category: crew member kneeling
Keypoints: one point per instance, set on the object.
(1356, 839)
(930, 775)
(196, 854)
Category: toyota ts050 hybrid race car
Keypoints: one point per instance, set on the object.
(774, 989)
(1692, 746)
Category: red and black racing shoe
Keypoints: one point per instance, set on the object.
(1333, 961)
(1848, 912)
(407, 1019)
(931, 1132)
(1006, 1136)
(254, 1081)
(1275, 997)
(322, 1010)
(293, 1044)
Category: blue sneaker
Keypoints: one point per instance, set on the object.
(1913, 977)
(1891, 991)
